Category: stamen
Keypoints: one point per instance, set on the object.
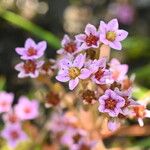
(91, 40)
(74, 72)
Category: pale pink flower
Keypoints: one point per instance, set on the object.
(27, 109)
(69, 46)
(111, 103)
(113, 125)
(6, 100)
(118, 70)
(100, 75)
(14, 135)
(29, 68)
(140, 112)
(11, 118)
(110, 34)
(31, 50)
(90, 39)
(73, 71)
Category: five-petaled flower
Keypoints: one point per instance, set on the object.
(73, 71)
(26, 109)
(6, 100)
(69, 46)
(14, 135)
(31, 50)
(111, 103)
(111, 35)
(29, 68)
(90, 39)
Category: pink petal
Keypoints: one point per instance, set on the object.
(30, 43)
(60, 51)
(141, 122)
(41, 46)
(80, 37)
(85, 73)
(19, 66)
(113, 25)
(20, 50)
(115, 45)
(79, 61)
(102, 27)
(121, 35)
(65, 40)
(90, 29)
(62, 78)
(73, 83)
(113, 125)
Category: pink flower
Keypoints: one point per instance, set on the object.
(73, 71)
(113, 125)
(111, 103)
(26, 109)
(31, 50)
(100, 75)
(14, 135)
(90, 39)
(11, 118)
(68, 46)
(6, 100)
(118, 70)
(111, 35)
(29, 68)
(140, 112)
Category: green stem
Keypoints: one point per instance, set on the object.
(30, 27)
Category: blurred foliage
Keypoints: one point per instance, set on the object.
(30, 27)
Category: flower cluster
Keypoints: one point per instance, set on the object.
(93, 76)
(13, 116)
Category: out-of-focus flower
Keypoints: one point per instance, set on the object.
(140, 112)
(14, 135)
(90, 39)
(111, 103)
(29, 68)
(6, 100)
(69, 46)
(31, 50)
(11, 117)
(113, 125)
(27, 109)
(73, 71)
(111, 35)
(118, 70)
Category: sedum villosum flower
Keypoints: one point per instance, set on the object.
(110, 34)
(73, 71)
(31, 50)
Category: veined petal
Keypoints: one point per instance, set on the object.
(79, 61)
(102, 27)
(113, 25)
(62, 78)
(90, 29)
(73, 83)
(65, 40)
(115, 45)
(121, 35)
(30, 43)
(20, 50)
(41, 46)
(85, 73)
(80, 37)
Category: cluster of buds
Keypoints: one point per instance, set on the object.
(14, 116)
(85, 65)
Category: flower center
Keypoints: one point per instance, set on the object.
(139, 111)
(13, 118)
(88, 96)
(29, 66)
(31, 51)
(76, 138)
(74, 72)
(91, 40)
(84, 147)
(14, 135)
(110, 104)
(27, 110)
(110, 36)
(70, 47)
(99, 74)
